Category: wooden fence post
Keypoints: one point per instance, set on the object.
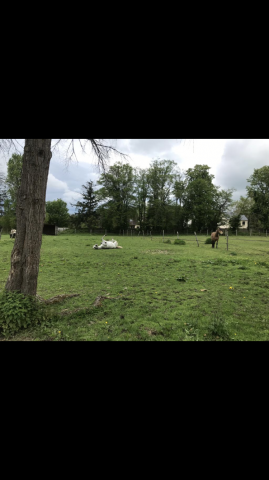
(177, 234)
(196, 239)
(227, 239)
(163, 235)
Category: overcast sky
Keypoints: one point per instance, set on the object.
(231, 162)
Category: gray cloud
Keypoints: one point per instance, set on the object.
(152, 147)
(238, 162)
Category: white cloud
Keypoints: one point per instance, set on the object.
(56, 186)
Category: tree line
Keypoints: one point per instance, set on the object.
(160, 197)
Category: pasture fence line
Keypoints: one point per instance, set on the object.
(163, 233)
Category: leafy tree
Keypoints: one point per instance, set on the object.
(234, 221)
(117, 192)
(221, 207)
(8, 220)
(178, 193)
(204, 203)
(259, 192)
(7, 211)
(87, 208)
(13, 180)
(141, 191)
(3, 193)
(160, 183)
(57, 212)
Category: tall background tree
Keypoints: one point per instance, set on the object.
(160, 186)
(204, 203)
(141, 195)
(87, 207)
(3, 196)
(57, 212)
(13, 180)
(118, 196)
(258, 191)
(11, 187)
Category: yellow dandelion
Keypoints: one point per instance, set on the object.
(106, 322)
(59, 331)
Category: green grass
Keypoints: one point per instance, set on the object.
(153, 290)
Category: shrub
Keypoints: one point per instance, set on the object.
(167, 241)
(218, 328)
(178, 241)
(18, 311)
(208, 240)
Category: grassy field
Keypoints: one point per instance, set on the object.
(151, 290)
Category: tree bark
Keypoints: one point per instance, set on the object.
(30, 215)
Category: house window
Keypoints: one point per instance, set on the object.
(243, 223)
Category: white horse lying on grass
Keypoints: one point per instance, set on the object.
(106, 244)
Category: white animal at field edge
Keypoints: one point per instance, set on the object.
(106, 244)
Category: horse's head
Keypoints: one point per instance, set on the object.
(220, 231)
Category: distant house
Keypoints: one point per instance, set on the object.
(133, 225)
(243, 223)
(50, 229)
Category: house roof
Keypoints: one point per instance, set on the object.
(243, 217)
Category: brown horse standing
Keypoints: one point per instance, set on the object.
(215, 237)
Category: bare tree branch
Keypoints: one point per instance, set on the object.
(100, 148)
(6, 145)
(103, 151)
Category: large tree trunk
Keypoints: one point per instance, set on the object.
(30, 215)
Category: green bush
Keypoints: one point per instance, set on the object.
(18, 311)
(178, 241)
(208, 240)
(218, 329)
(167, 241)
